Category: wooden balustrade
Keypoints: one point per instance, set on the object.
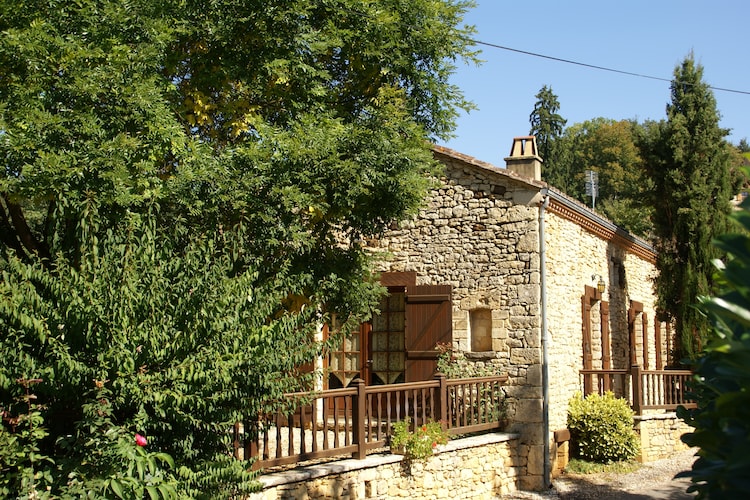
(644, 389)
(474, 404)
(359, 419)
(660, 389)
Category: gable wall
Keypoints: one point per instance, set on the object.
(474, 235)
(479, 233)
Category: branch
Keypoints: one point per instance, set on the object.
(8, 234)
(26, 238)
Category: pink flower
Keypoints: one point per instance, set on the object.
(140, 440)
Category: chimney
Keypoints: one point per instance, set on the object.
(524, 158)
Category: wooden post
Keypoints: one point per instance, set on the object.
(644, 327)
(587, 299)
(606, 346)
(252, 435)
(441, 400)
(657, 343)
(637, 381)
(359, 411)
(236, 440)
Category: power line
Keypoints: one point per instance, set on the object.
(559, 59)
(585, 65)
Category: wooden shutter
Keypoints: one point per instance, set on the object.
(429, 320)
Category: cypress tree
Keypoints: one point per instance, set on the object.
(690, 168)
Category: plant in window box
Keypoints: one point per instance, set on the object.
(419, 443)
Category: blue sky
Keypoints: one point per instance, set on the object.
(644, 37)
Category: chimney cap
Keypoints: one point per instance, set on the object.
(524, 146)
(524, 159)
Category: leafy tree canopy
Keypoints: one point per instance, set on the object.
(184, 189)
(609, 148)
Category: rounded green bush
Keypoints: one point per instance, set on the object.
(601, 428)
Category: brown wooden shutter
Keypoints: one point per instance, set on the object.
(429, 320)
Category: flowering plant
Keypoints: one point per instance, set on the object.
(140, 440)
(419, 443)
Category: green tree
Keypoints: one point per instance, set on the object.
(689, 165)
(609, 148)
(547, 125)
(184, 192)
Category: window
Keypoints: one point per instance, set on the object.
(345, 363)
(480, 325)
(388, 327)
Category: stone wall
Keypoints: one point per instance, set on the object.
(576, 257)
(481, 467)
(660, 435)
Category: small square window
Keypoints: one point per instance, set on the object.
(480, 324)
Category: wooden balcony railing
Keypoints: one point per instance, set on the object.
(644, 389)
(358, 420)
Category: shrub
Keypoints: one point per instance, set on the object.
(721, 384)
(153, 332)
(601, 428)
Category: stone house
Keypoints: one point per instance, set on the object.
(518, 276)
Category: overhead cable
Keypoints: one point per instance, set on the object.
(593, 66)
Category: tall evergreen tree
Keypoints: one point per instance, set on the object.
(689, 164)
(547, 125)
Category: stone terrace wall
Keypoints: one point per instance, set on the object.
(479, 233)
(478, 467)
(660, 435)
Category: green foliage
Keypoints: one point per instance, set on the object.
(113, 466)
(689, 164)
(452, 363)
(24, 469)
(609, 148)
(601, 428)
(184, 193)
(110, 461)
(172, 341)
(419, 443)
(721, 384)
